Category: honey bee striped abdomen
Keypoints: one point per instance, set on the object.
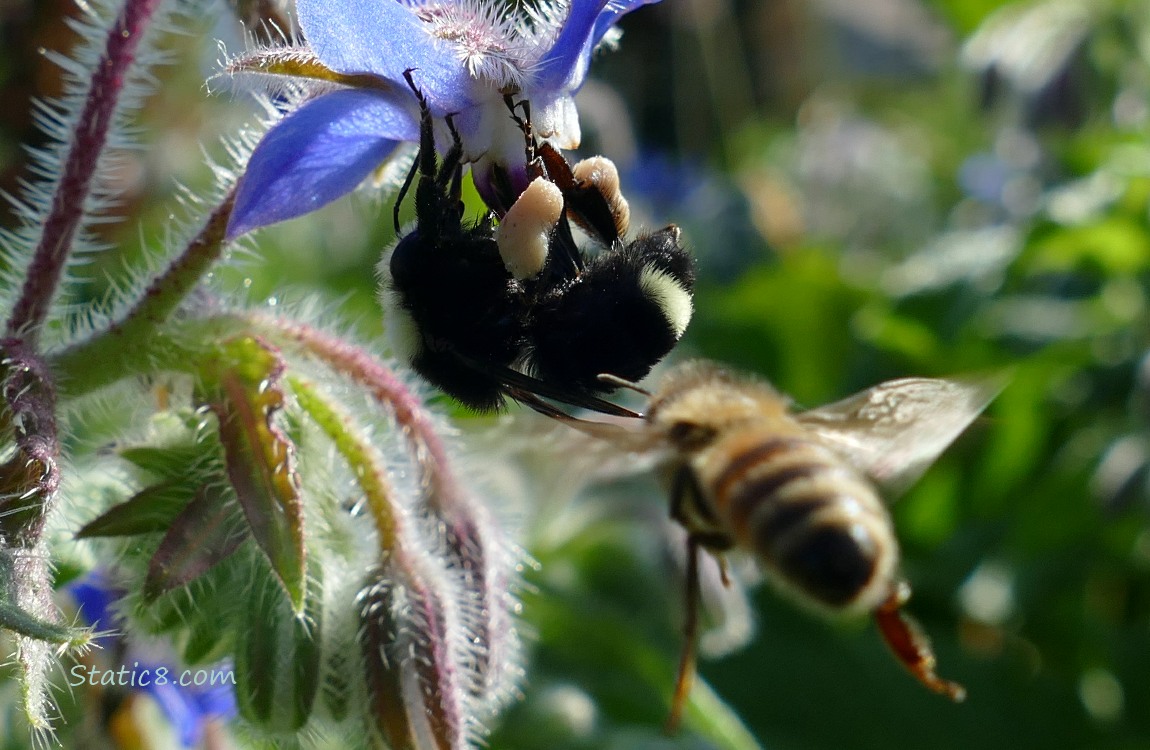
(810, 519)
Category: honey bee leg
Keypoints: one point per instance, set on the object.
(910, 645)
(686, 673)
(724, 571)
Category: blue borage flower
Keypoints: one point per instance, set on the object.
(188, 708)
(467, 54)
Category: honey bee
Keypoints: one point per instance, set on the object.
(799, 491)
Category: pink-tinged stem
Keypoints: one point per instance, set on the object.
(90, 137)
(386, 388)
(467, 544)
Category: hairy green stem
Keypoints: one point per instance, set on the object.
(133, 344)
(468, 547)
(364, 460)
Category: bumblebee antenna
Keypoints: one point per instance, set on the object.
(618, 382)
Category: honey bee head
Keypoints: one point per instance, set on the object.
(698, 400)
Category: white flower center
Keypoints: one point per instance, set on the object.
(486, 36)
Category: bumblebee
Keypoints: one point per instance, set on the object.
(799, 491)
(484, 312)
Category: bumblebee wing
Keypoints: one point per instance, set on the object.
(531, 391)
(895, 430)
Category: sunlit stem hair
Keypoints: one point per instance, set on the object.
(31, 476)
(413, 679)
(55, 214)
(28, 388)
(90, 136)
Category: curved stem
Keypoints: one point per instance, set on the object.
(369, 468)
(127, 345)
(471, 546)
(388, 389)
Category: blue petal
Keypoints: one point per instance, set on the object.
(178, 706)
(385, 38)
(564, 62)
(564, 66)
(94, 597)
(217, 701)
(609, 16)
(318, 153)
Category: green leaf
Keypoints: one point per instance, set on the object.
(152, 509)
(260, 457)
(278, 659)
(206, 532)
(1115, 244)
(898, 334)
(786, 322)
(165, 461)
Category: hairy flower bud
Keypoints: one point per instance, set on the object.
(416, 698)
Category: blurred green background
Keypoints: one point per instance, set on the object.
(874, 189)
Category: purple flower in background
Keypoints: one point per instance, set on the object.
(466, 55)
(189, 707)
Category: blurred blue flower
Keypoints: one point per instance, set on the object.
(712, 211)
(466, 55)
(93, 597)
(188, 707)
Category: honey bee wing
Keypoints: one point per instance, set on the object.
(894, 431)
(591, 451)
(619, 435)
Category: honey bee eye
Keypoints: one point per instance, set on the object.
(690, 436)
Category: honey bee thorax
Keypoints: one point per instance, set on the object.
(807, 515)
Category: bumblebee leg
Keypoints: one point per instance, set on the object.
(424, 162)
(426, 158)
(910, 645)
(524, 124)
(450, 177)
(428, 198)
(686, 674)
(403, 192)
